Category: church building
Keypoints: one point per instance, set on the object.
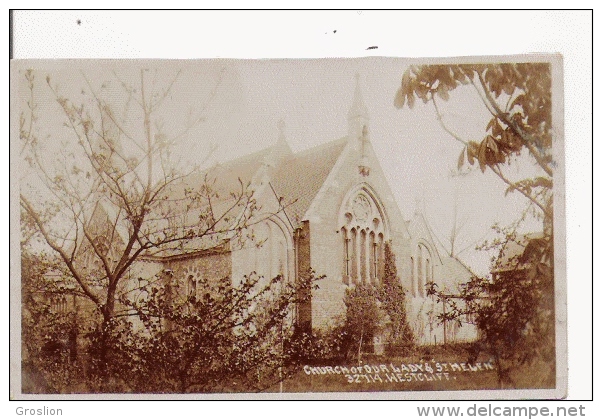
(328, 209)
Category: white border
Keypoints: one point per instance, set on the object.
(438, 34)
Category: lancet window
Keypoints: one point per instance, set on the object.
(424, 270)
(363, 237)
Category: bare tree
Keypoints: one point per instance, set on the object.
(455, 242)
(108, 192)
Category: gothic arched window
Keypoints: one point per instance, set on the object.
(346, 256)
(354, 256)
(413, 277)
(373, 256)
(58, 304)
(191, 287)
(420, 272)
(380, 263)
(270, 253)
(363, 232)
(425, 268)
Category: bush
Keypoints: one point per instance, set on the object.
(392, 296)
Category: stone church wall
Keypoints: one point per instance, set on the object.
(327, 243)
(212, 267)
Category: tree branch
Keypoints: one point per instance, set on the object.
(68, 262)
(528, 141)
(440, 119)
(496, 170)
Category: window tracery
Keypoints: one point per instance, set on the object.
(362, 235)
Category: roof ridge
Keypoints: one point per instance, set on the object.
(241, 158)
(299, 178)
(318, 147)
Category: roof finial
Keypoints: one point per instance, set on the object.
(358, 107)
(418, 204)
(364, 166)
(281, 149)
(281, 131)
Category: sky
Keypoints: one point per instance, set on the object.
(240, 103)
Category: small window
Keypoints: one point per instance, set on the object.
(191, 287)
(413, 276)
(375, 261)
(58, 304)
(420, 272)
(424, 268)
(346, 257)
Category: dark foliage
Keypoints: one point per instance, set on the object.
(227, 338)
(392, 296)
(514, 313)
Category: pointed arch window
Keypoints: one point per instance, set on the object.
(269, 250)
(58, 304)
(354, 256)
(191, 287)
(363, 232)
(373, 257)
(346, 256)
(380, 263)
(424, 268)
(364, 268)
(413, 277)
(420, 273)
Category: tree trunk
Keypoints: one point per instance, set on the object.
(105, 331)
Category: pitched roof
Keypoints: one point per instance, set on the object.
(300, 177)
(511, 256)
(419, 222)
(297, 179)
(226, 177)
(221, 194)
(455, 270)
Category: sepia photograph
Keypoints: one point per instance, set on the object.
(298, 226)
